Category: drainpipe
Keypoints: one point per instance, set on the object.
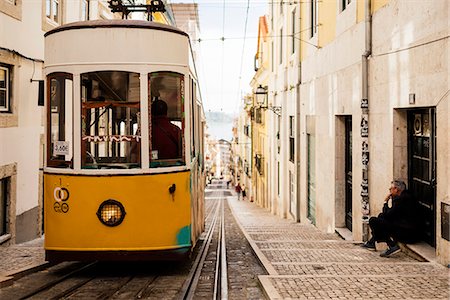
(297, 144)
(365, 120)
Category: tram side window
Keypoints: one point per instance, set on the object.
(166, 103)
(60, 99)
(110, 120)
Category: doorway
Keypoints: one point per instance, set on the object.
(422, 167)
(311, 177)
(348, 172)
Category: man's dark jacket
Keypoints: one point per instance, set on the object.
(404, 217)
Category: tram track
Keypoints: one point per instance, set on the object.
(209, 274)
(49, 285)
(220, 278)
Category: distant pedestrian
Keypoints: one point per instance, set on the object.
(244, 193)
(238, 190)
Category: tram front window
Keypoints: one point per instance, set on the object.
(166, 99)
(110, 120)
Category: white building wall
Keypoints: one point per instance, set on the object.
(283, 92)
(410, 55)
(22, 130)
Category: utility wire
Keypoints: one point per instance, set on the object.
(243, 51)
(223, 56)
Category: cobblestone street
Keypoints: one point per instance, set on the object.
(301, 262)
(304, 263)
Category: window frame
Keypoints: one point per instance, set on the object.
(85, 10)
(293, 27)
(344, 4)
(281, 46)
(57, 163)
(5, 195)
(178, 161)
(12, 8)
(48, 17)
(314, 17)
(112, 143)
(8, 87)
(291, 139)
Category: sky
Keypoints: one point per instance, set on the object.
(227, 67)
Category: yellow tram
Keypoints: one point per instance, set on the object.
(124, 174)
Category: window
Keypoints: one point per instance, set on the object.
(166, 99)
(272, 56)
(5, 88)
(344, 4)
(193, 116)
(110, 120)
(12, 8)
(314, 17)
(84, 10)
(259, 161)
(258, 115)
(291, 139)
(281, 45)
(247, 130)
(293, 32)
(60, 97)
(4, 205)
(53, 10)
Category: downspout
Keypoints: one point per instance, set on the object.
(297, 144)
(365, 208)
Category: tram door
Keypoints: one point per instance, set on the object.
(422, 167)
(348, 172)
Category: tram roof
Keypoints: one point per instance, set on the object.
(116, 23)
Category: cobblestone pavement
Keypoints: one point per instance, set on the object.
(305, 263)
(20, 257)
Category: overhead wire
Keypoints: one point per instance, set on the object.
(242, 54)
(223, 56)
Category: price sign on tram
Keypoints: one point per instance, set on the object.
(61, 148)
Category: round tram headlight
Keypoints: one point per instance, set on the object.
(111, 213)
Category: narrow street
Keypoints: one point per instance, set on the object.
(292, 261)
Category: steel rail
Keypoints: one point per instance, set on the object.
(221, 276)
(189, 286)
(53, 283)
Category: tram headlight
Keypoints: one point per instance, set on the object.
(111, 213)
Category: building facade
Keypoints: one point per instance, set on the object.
(364, 93)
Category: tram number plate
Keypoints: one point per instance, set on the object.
(61, 148)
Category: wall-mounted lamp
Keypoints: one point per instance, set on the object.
(261, 100)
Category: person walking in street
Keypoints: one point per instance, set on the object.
(238, 190)
(397, 223)
(244, 193)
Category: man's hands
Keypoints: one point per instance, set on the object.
(388, 197)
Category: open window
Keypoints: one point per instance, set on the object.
(166, 105)
(110, 120)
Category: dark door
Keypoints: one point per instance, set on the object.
(422, 167)
(348, 172)
(311, 174)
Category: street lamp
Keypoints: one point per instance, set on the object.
(261, 100)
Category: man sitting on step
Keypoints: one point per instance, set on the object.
(398, 222)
